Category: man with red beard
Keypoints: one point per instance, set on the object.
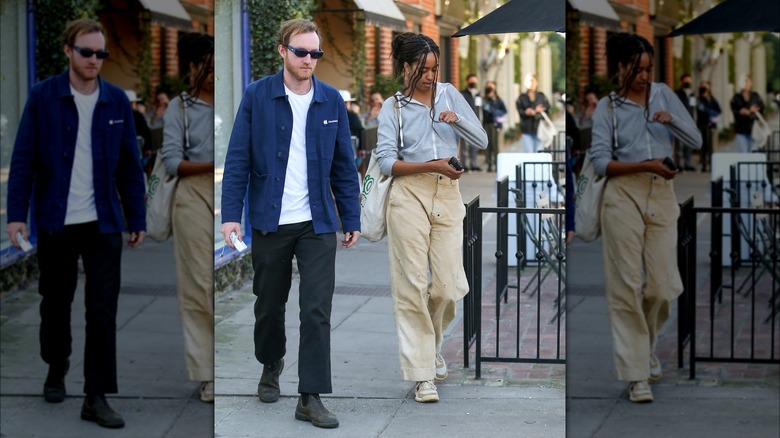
(291, 145)
(76, 155)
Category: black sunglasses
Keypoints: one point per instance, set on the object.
(315, 54)
(87, 53)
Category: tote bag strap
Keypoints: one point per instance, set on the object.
(612, 114)
(399, 117)
(184, 98)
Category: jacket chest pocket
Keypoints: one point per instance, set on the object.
(110, 135)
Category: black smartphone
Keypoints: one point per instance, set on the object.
(454, 162)
(670, 164)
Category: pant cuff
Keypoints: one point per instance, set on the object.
(418, 374)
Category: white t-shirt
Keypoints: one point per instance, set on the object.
(295, 200)
(81, 197)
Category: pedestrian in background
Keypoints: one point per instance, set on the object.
(584, 117)
(639, 208)
(745, 104)
(707, 116)
(425, 210)
(86, 190)
(160, 107)
(370, 117)
(142, 131)
(292, 209)
(530, 106)
(682, 154)
(471, 93)
(493, 117)
(188, 152)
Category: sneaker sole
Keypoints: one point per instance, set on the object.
(427, 399)
(655, 377)
(643, 399)
(441, 377)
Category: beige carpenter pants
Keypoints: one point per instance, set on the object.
(639, 227)
(193, 231)
(425, 236)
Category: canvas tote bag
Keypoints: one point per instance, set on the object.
(589, 190)
(374, 195)
(159, 194)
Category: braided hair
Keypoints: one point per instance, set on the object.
(627, 49)
(410, 48)
(198, 49)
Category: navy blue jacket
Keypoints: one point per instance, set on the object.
(259, 149)
(42, 160)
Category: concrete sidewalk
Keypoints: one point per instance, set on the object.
(369, 397)
(155, 398)
(726, 400)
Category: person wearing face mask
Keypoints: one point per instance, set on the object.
(471, 93)
(688, 99)
(707, 115)
(493, 116)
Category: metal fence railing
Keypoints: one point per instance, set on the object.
(736, 318)
(527, 325)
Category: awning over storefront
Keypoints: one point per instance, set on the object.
(597, 13)
(168, 13)
(383, 13)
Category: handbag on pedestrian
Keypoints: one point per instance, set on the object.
(159, 194)
(374, 195)
(588, 192)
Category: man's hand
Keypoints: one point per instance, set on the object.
(350, 238)
(13, 228)
(229, 227)
(136, 237)
(540, 108)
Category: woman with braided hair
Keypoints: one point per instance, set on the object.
(418, 135)
(188, 151)
(633, 132)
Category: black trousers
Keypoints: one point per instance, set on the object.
(101, 254)
(272, 255)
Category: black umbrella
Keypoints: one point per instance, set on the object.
(521, 16)
(735, 16)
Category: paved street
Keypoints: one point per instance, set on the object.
(726, 400)
(369, 396)
(155, 398)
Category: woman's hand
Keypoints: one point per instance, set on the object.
(662, 117)
(443, 167)
(658, 167)
(448, 117)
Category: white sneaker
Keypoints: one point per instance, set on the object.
(441, 368)
(425, 392)
(655, 368)
(207, 392)
(639, 392)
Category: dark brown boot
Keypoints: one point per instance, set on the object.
(268, 388)
(96, 409)
(310, 408)
(54, 386)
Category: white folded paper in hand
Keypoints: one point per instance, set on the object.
(25, 245)
(239, 245)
